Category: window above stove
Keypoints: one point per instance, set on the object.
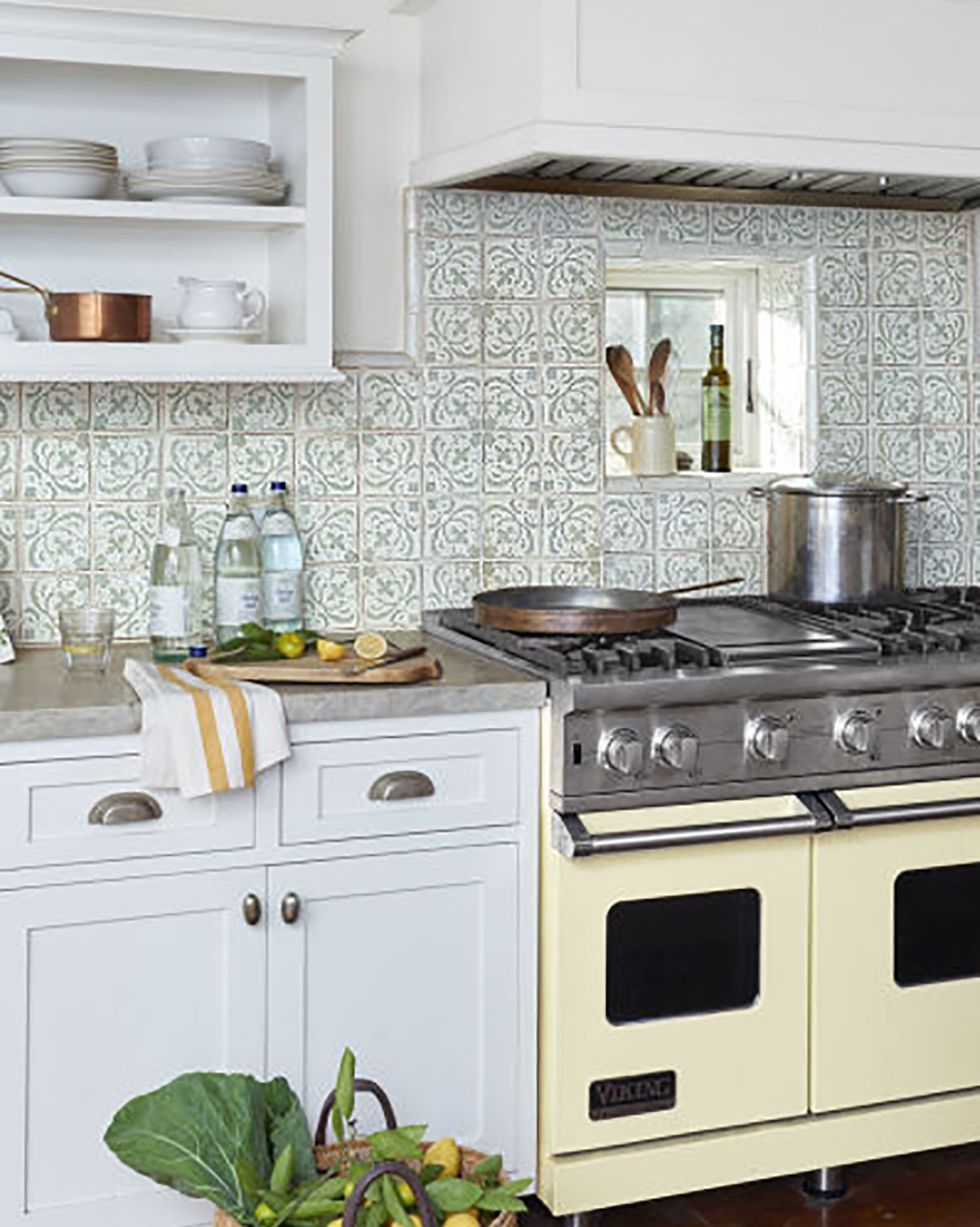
(765, 307)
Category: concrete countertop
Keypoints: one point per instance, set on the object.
(40, 700)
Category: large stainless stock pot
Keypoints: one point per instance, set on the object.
(836, 540)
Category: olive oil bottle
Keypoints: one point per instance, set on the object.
(716, 408)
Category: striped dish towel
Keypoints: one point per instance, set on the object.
(205, 737)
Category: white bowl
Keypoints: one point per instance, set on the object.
(66, 184)
(209, 151)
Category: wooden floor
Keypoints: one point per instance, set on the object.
(941, 1189)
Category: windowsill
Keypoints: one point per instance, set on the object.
(692, 479)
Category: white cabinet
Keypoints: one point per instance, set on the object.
(125, 79)
(127, 957)
(879, 86)
(415, 961)
(110, 989)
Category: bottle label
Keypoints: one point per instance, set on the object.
(716, 417)
(282, 596)
(168, 611)
(238, 599)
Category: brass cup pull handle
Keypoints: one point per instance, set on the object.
(124, 807)
(252, 908)
(289, 908)
(401, 786)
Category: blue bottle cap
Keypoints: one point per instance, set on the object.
(239, 487)
(276, 486)
(198, 651)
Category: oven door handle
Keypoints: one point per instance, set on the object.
(890, 815)
(571, 837)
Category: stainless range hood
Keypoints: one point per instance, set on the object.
(776, 185)
(875, 102)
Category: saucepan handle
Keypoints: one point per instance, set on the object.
(913, 496)
(25, 285)
(758, 492)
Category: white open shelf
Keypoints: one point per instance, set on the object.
(150, 212)
(129, 78)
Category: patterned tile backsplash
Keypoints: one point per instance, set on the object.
(482, 464)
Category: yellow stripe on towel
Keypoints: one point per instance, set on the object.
(243, 725)
(208, 725)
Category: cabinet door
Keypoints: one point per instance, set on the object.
(109, 990)
(412, 961)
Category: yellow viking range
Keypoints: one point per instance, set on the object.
(760, 892)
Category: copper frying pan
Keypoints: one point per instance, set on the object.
(91, 315)
(581, 611)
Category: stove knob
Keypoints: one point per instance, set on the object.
(676, 747)
(624, 752)
(932, 727)
(968, 723)
(767, 738)
(856, 732)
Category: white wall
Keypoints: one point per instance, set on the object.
(377, 133)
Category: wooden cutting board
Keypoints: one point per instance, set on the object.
(311, 668)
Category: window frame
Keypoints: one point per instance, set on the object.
(739, 285)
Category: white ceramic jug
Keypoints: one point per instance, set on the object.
(219, 305)
(649, 445)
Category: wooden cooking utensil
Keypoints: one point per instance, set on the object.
(656, 370)
(620, 363)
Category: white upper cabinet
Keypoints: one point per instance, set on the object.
(885, 86)
(125, 79)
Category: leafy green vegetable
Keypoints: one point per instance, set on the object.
(454, 1195)
(505, 1197)
(487, 1171)
(343, 1104)
(212, 1135)
(398, 1144)
(393, 1203)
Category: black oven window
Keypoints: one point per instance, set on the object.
(937, 925)
(682, 954)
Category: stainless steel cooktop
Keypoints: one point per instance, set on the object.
(747, 695)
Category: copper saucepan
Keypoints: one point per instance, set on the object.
(90, 316)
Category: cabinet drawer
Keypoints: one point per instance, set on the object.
(51, 815)
(402, 785)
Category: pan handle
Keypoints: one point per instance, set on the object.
(714, 583)
(27, 285)
(757, 492)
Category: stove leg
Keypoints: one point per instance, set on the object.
(584, 1218)
(826, 1183)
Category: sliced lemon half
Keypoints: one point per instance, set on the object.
(370, 646)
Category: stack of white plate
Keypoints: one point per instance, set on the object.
(208, 169)
(48, 166)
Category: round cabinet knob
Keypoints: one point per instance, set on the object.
(932, 727)
(768, 739)
(677, 748)
(857, 732)
(968, 723)
(624, 752)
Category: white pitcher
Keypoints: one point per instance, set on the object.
(649, 445)
(219, 305)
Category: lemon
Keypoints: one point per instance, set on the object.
(264, 1213)
(466, 1219)
(348, 1189)
(327, 649)
(291, 644)
(370, 646)
(445, 1152)
(405, 1194)
(416, 1221)
(335, 1222)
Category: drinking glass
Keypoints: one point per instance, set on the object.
(86, 639)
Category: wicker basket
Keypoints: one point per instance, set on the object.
(330, 1155)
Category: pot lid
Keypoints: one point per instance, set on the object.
(830, 485)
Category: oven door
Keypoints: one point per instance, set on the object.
(674, 981)
(896, 945)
